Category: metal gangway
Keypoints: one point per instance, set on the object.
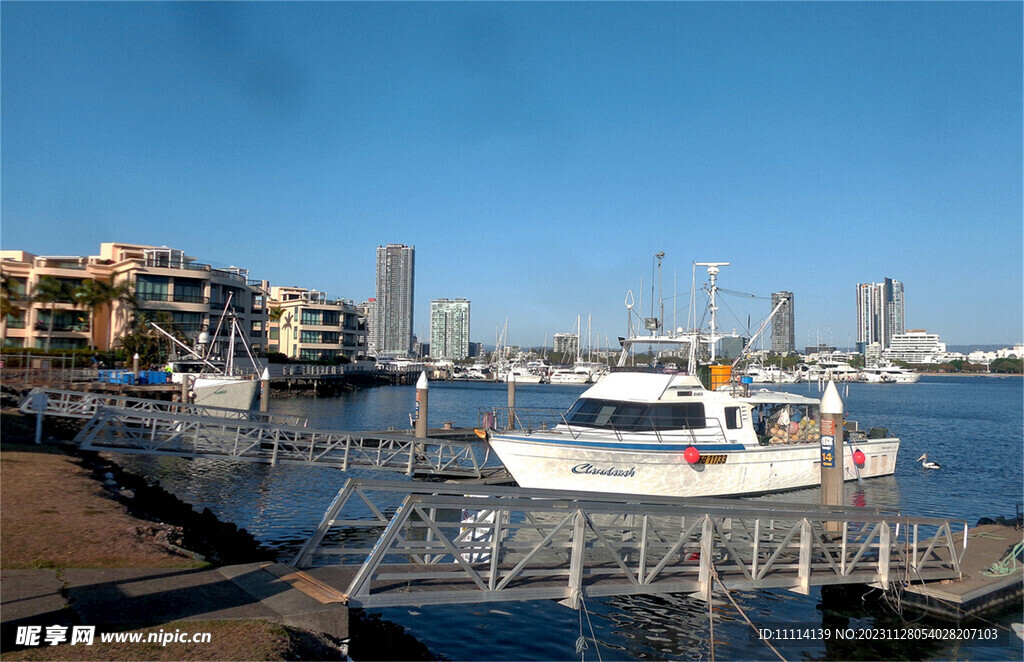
(84, 404)
(384, 543)
(154, 427)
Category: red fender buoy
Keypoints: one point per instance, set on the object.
(691, 455)
(858, 457)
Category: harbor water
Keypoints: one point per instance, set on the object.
(972, 426)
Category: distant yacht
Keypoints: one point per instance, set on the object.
(891, 374)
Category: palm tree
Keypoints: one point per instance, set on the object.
(151, 346)
(49, 290)
(92, 294)
(95, 294)
(8, 305)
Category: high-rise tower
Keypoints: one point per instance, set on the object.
(783, 328)
(394, 295)
(880, 312)
(449, 329)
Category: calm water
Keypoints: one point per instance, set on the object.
(971, 426)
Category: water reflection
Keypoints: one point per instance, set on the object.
(972, 427)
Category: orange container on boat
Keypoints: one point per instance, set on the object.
(720, 375)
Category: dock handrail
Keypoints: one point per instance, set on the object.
(84, 404)
(508, 543)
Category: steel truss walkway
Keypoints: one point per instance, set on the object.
(154, 427)
(83, 404)
(398, 544)
(161, 433)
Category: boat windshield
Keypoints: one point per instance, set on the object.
(636, 416)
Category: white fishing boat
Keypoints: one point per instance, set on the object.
(666, 435)
(670, 435)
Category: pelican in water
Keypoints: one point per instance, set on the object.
(926, 464)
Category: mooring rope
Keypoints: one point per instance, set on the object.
(581, 641)
(742, 613)
(1006, 565)
(711, 623)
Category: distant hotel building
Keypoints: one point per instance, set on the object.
(189, 295)
(783, 329)
(880, 312)
(449, 329)
(311, 327)
(394, 298)
(916, 346)
(566, 343)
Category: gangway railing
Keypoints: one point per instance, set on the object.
(84, 404)
(186, 435)
(419, 544)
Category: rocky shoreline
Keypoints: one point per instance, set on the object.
(162, 522)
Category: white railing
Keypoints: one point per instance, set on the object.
(416, 544)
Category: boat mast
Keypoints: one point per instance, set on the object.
(713, 269)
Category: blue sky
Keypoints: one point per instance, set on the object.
(537, 154)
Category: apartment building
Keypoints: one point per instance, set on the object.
(309, 326)
(449, 329)
(191, 296)
(881, 312)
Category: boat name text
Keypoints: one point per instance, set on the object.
(587, 468)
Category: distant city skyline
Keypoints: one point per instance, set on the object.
(538, 155)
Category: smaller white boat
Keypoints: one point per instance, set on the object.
(213, 382)
(876, 376)
(837, 371)
(522, 376)
(900, 375)
(569, 376)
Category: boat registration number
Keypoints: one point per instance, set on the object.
(713, 459)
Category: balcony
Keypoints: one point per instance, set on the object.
(78, 327)
(223, 273)
(176, 264)
(57, 263)
(190, 298)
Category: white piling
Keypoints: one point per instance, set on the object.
(832, 455)
(421, 406)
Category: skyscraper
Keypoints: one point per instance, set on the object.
(880, 312)
(783, 328)
(449, 329)
(394, 294)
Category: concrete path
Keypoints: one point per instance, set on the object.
(127, 598)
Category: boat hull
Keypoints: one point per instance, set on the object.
(549, 462)
(231, 393)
